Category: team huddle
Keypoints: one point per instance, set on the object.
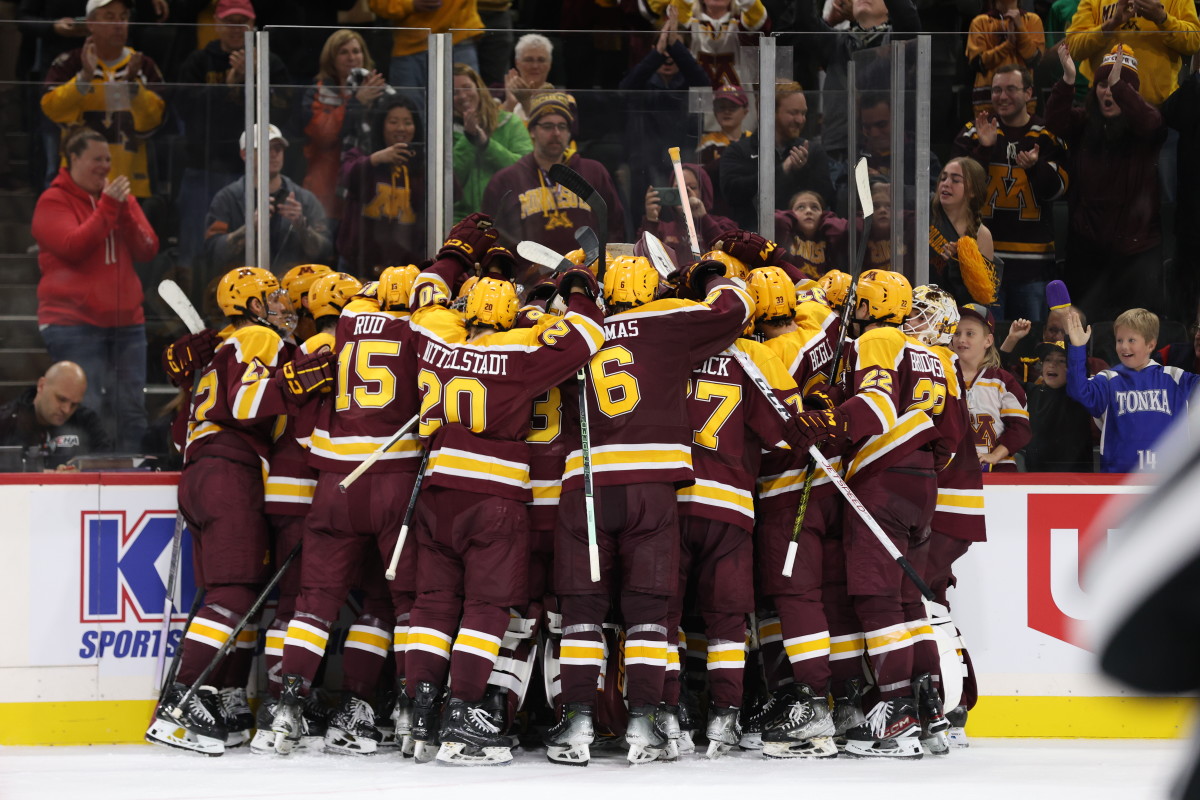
(630, 481)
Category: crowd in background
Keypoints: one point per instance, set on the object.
(1074, 161)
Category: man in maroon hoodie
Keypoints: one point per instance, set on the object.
(89, 231)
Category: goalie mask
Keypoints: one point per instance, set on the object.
(930, 321)
(630, 282)
(395, 288)
(298, 280)
(888, 296)
(329, 294)
(774, 295)
(492, 303)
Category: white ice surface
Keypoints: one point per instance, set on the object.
(1012, 769)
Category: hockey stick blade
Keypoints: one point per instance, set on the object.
(862, 182)
(542, 256)
(590, 243)
(173, 296)
(577, 184)
(658, 254)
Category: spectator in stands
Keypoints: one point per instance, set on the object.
(1182, 113)
(212, 107)
(1027, 368)
(1115, 242)
(532, 59)
(486, 139)
(51, 417)
(1061, 428)
(814, 236)
(716, 28)
(871, 25)
(299, 233)
(999, 413)
(539, 209)
(1163, 35)
(384, 184)
(496, 43)
(961, 255)
(729, 106)
(107, 87)
(800, 163)
(1003, 35)
(410, 59)
(1027, 170)
(875, 144)
(347, 87)
(1185, 355)
(89, 230)
(669, 224)
(657, 105)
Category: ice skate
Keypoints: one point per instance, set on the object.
(760, 717)
(425, 721)
(239, 719)
(263, 742)
(472, 735)
(402, 716)
(667, 722)
(723, 731)
(642, 734)
(690, 720)
(892, 730)
(805, 730)
(956, 736)
(847, 712)
(352, 729)
(288, 722)
(934, 724)
(196, 726)
(569, 742)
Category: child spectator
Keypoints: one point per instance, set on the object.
(1026, 367)
(1134, 401)
(995, 398)
(814, 236)
(1062, 429)
(716, 27)
(730, 106)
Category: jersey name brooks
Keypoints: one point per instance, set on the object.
(467, 361)
(1147, 400)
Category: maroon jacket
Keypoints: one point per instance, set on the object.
(86, 250)
(1114, 193)
(545, 212)
(672, 227)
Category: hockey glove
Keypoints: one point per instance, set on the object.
(498, 261)
(307, 374)
(819, 399)
(693, 283)
(748, 247)
(581, 277)
(813, 426)
(542, 291)
(470, 239)
(187, 354)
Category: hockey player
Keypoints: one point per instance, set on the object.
(732, 423)
(797, 722)
(239, 395)
(898, 389)
(376, 395)
(640, 454)
(478, 380)
(296, 282)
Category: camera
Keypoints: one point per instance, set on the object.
(359, 74)
(668, 196)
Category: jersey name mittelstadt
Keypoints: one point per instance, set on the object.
(466, 360)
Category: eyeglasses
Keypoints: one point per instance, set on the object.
(548, 127)
(1008, 89)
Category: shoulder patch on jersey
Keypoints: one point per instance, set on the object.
(881, 347)
(1175, 373)
(257, 342)
(257, 371)
(1107, 374)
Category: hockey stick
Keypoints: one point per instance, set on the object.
(174, 297)
(542, 256)
(169, 678)
(229, 643)
(659, 257)
(575, 183)
(371, 459)
(863, 186)
(590, 243)
(408, 515)
(677, 165)
(761, 384)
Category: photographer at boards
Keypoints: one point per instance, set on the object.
(299, 229)
(51, 417)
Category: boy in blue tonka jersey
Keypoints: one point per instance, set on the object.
(1133, 402)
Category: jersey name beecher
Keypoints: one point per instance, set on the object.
(467, 361)
(1147, 400)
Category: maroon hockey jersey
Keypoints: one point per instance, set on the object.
(959, 510)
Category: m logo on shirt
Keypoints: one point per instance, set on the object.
(985, 430)
(1146, 400)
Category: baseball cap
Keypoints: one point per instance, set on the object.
(96, 5)
(552, 103)
(1044, 349)
(981, 313)
(227, 8)
(273, 131)
(731, 94)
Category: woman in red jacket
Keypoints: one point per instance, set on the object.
(89, 232)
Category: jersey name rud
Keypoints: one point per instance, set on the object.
(1146, 400)
(366, 324)
(717, 365)
(619, 330)
(465, 360)
(926, 362)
